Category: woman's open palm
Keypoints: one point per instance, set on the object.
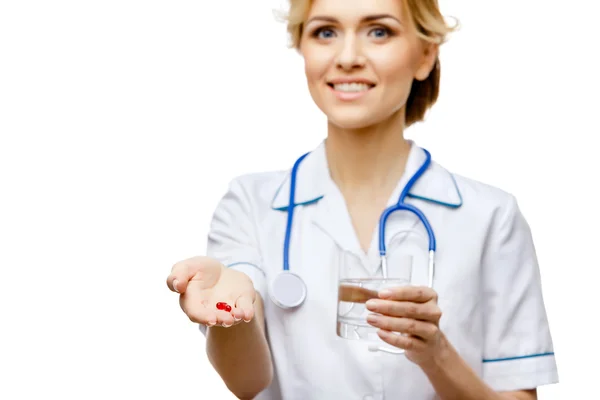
(203, 282)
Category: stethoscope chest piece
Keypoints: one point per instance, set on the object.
(287, 290)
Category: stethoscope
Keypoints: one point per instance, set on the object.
(288, 290)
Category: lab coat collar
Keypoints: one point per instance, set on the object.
(311, 181)
(436, 185)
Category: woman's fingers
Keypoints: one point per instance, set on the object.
(408, 343)
(205, 312)
(407, 326)
(421, 311)
(201, 307)
(415, 294)
(181, 274)
(245, 307)
(224, 318)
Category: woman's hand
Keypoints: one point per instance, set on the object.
(412, 311)
(203, 282)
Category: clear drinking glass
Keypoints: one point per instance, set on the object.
(359, 282)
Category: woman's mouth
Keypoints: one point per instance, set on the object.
(348, 91)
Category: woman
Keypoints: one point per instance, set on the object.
(372, 67)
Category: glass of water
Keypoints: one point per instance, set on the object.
(359, 282)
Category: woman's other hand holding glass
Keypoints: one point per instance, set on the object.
(408, 318)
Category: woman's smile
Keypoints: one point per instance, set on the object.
(350, 89)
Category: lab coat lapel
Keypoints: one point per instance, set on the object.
(315, 189)
(309, 182)
(333, 218)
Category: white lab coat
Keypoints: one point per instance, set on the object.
(487, 279)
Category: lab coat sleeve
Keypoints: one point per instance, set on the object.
(518, 352)
(233, 238)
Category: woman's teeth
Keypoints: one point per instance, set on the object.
(351, 87)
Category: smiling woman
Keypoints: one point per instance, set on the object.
(310, 18)
(372, 67)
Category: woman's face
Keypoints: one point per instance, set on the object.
(361, 57)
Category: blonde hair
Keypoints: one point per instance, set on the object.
(431, 27)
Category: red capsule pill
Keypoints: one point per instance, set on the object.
(221, 305)
(228, 308)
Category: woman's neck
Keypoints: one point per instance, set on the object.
(371, 158)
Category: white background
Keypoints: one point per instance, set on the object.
(121, 123)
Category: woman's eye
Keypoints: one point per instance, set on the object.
(380, 32)
(323, 33)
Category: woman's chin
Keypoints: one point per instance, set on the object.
(352, 120)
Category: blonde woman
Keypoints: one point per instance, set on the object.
(479, 332)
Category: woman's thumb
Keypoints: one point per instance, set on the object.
(198, 268)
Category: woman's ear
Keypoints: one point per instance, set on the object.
(428, 59)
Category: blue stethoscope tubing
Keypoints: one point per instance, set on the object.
(288, 290)
(402, 206)
(290, 219)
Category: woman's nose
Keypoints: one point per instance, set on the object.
(349, 55)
